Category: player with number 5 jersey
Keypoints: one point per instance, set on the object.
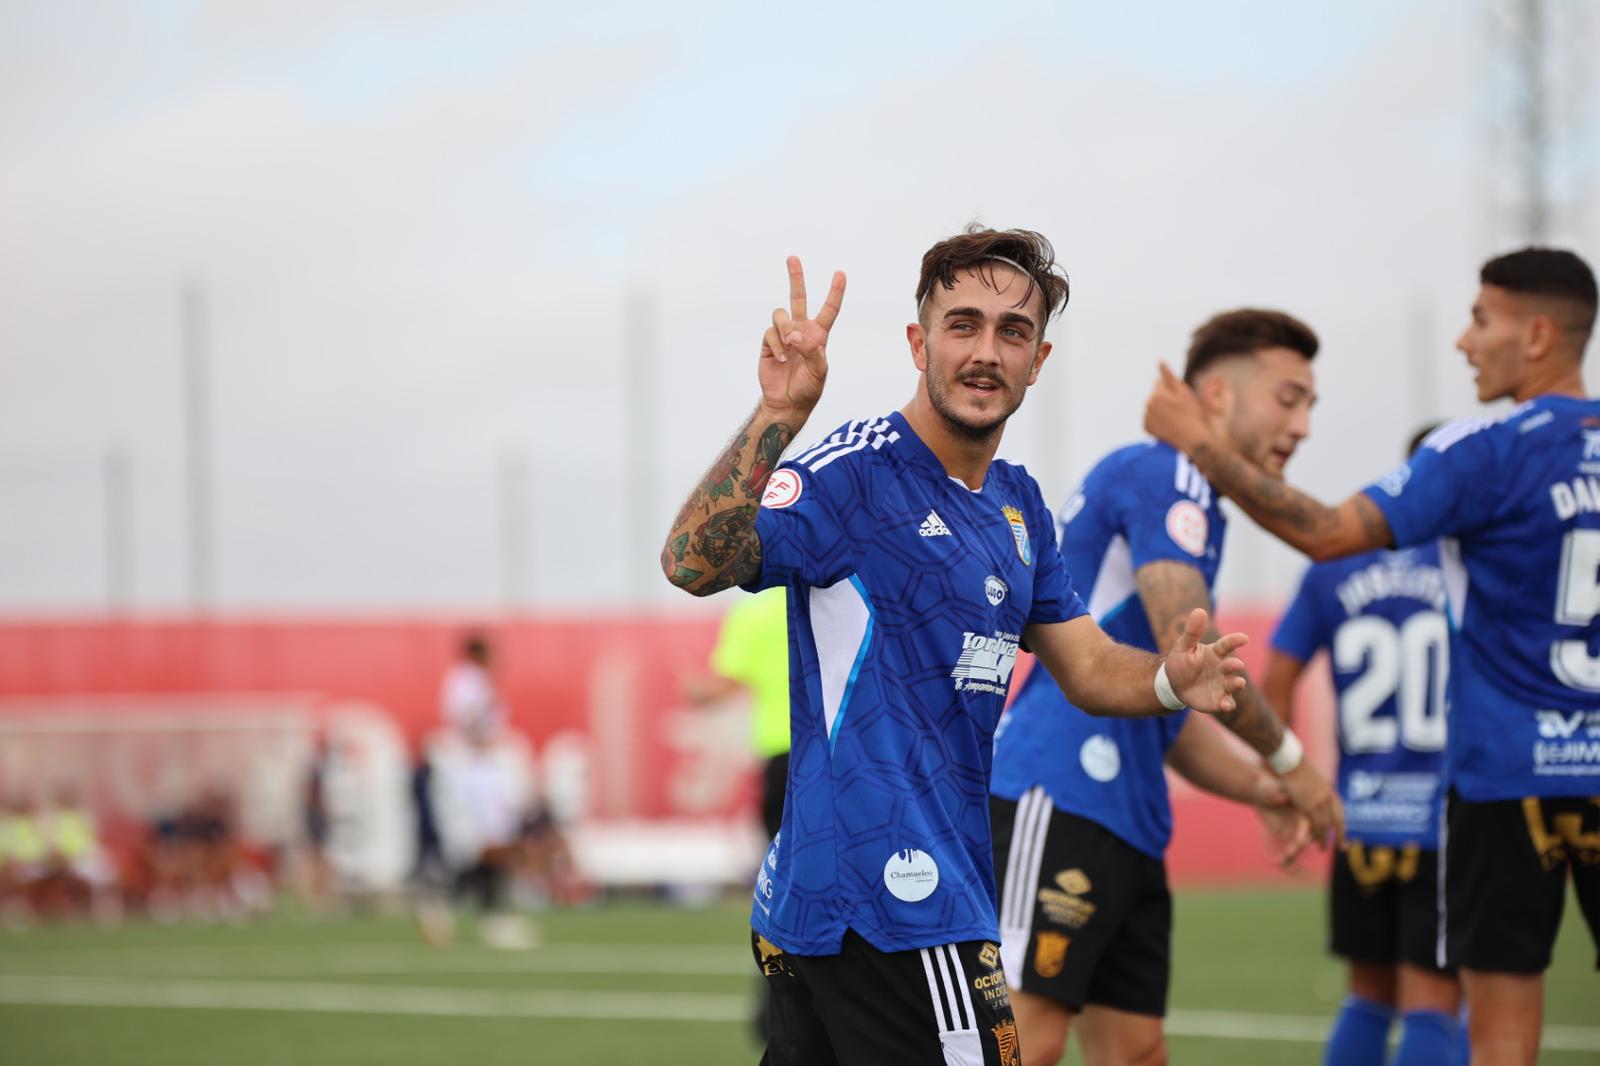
(1514, 501)
(1380, 617)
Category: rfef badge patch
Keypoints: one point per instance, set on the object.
(783, 489)
(1019, 533)
(1188, 527)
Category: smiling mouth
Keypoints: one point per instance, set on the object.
(982, 386)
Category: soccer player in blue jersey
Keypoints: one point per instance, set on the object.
(1080, 807)
(1380, 617)
(1515, 503)
(916, 566)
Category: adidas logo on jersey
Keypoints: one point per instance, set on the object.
(933, 526)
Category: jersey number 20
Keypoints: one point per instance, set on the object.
(1397, 665)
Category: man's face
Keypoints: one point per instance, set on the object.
(1494, 342)
(1266, 410)
(980, 347)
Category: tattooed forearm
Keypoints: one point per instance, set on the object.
(1252, 721)
(1285, 510)
(1169, 592)
(713, 544)
(1320, 531)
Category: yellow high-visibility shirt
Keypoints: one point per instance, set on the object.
(753, 649)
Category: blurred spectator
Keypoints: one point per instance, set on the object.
(479, 794)
(80, 877)
(23, 855)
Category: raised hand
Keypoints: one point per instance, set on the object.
(794, 351)
(1173, 413)
(1205, 676)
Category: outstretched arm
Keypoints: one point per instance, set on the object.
(1107, 678)
(1170, 592)
(713, 544)
(1203, 758)
(1173, 414)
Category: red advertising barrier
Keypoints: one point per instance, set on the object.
(614, 680)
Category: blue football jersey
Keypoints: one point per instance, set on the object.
(1380, 616)
(1516, 503)
(909, 595)
(1140, 504)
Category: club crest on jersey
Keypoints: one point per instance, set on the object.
(783, 489)
(1050, 953)
(1019, 533)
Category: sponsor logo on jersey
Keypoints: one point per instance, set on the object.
(911, 875)
(1019, 533)
(1100, 758)
(985, 663)
(783, 489)
(1188, 527)
(1050, 953)
(1074, 881)
(994, 590)
(1005, 1042)
(989, 955)
(933, 526)
(992, 987)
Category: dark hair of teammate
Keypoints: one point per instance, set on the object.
(1555, 274)
(981, 249)
(1245, 332)
(1419, 436)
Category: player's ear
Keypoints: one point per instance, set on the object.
(1215, 392)
(1038, 361)
(919, 345)
(1540, 336)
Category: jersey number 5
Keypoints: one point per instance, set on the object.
(1577, 603)
(1397, 665)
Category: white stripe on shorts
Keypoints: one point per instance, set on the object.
(952, 1006)
(1028, 833)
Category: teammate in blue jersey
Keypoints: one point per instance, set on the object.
(1515, 501)
(1080, 809)
(1380, 616)
(916, 566)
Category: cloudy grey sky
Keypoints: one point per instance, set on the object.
(418, 226)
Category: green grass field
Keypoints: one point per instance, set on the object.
(620, 984)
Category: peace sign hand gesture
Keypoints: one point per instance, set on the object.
(794, 351)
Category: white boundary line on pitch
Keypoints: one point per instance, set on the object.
(60, 991)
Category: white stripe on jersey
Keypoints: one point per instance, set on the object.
(1456, 581)
(856, 435)
(1022, 878)
(877, 440)
(839, 618)
(1114, 582)
(839, 437)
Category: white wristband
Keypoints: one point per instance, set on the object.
(1169, 699)
(1288, 755)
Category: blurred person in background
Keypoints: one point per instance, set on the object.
(752, 656)
(1380, 617)
(24, 853)
(85, 877)
(916, 565)
(1516, 501)
(480, 792)
(1082, 817)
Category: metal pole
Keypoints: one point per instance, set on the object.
(119, 530)
(641, 441)
(515, 527)
(194, 339)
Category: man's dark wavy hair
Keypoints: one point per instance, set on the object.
(981, 249)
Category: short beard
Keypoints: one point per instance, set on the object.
(977, 434)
